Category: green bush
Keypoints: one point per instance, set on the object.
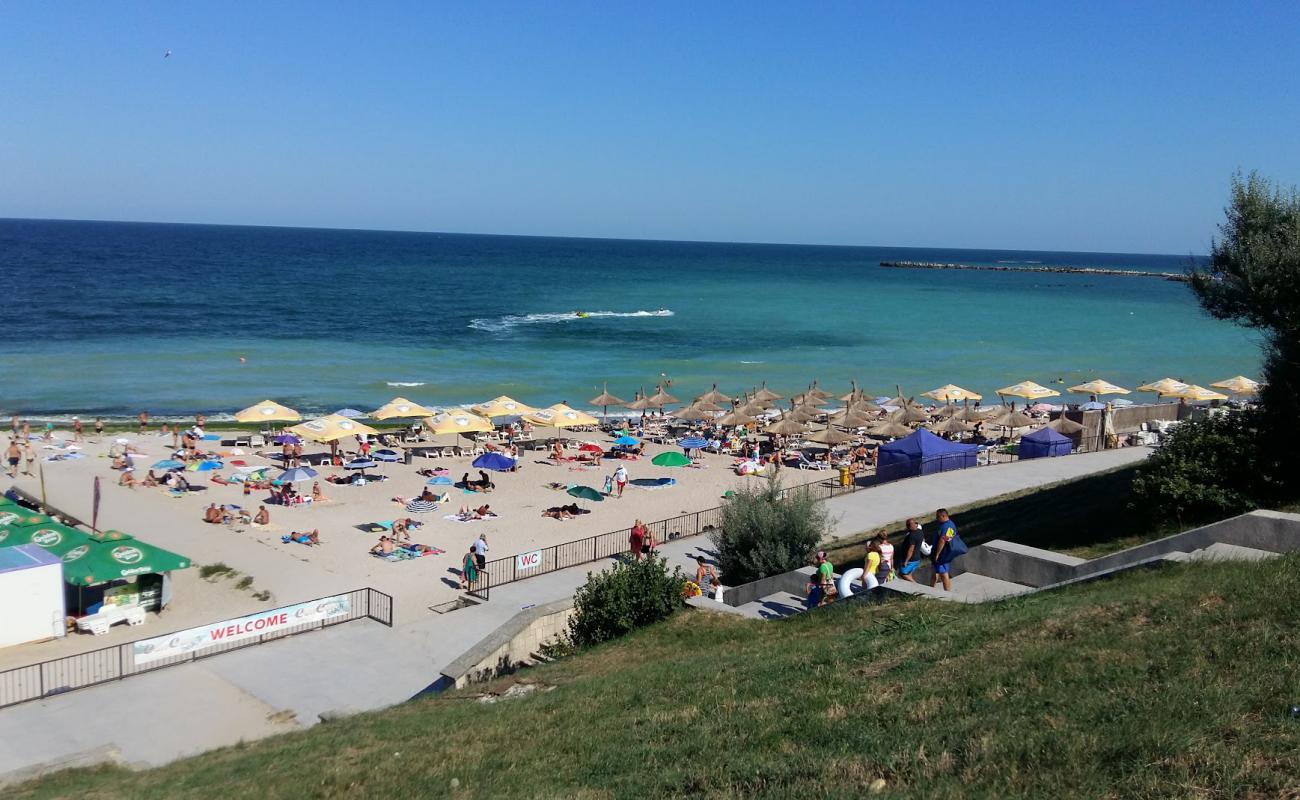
(765, 531)
(622, 599)
(1207, 470)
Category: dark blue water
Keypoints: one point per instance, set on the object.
(114, 317)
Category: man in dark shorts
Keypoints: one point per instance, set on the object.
(144, 420)
(14, 455)
(480, 551)
(911, 551)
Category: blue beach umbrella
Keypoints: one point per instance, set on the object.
(693, 443)
(1093, 406)
(169, 464)
(389, 456)
(287, 438)
(297, 475)
(441, 480)
(360, 463)
(626, 441)
(495, 462)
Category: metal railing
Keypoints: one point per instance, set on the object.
(116, 662)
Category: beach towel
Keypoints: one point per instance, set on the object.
(458, 518)
(409, 552)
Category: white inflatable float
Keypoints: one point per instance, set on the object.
(845, 585)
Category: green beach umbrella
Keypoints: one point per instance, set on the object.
(585, 493)
(56, 538)
(98, 562)
(670, 459)
(19, 517)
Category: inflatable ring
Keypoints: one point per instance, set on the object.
(845, 585)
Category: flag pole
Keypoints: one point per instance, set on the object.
(40, 466)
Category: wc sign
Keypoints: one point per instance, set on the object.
(530, 560)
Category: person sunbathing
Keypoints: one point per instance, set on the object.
(126, 479)
(557, 512)
(384, 547)
(150, 480)
(557, 451)
(428, 496)
(484, 510)
(305, 538)
(421, 549)
(466, 513)
(263, 517)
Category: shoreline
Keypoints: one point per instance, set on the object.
(1046, 268)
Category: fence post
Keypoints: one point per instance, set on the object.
(121, 658)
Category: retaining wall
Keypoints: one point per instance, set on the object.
(502, 651)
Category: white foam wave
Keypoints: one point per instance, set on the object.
(405, 383)
(501, 324)
(753, 362)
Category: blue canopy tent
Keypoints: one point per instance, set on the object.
(922, 453)
(1045, 442)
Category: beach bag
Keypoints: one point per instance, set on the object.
(717, 592)
(956, 546)
(926, 548)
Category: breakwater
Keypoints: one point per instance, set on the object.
(1127, 273)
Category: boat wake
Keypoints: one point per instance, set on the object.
(510, 321)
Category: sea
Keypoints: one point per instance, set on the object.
(108, 319)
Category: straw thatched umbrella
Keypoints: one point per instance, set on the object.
(713, 396)
(693, 413)
(889, 430)
(1014, 419)
(736, 418)
(787, 427)
(641, 402)
(704, 405)
(662, 398)
(851, 420)
(951, 425)
(765, 394)
(1065, 426)
(908, 414)
(974, 414)
(605, 400)
(830, 436)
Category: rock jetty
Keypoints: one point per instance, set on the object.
(1126, 273)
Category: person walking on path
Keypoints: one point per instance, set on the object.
(480, 551)
(825, 577)
(636, 539)
(706, 577)
(911, 550)
(620, 479)
(942, 554)
(468, 569)
(31, 458)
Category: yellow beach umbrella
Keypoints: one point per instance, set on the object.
(1238, 385)
(1164, 386)
(268, 411)
(951, 394)
(1028, 390)
(330, 428)
(502, 406)
(560, 416)
(400, 407)
(457, 420)
(1098, 387)
(1198, 394)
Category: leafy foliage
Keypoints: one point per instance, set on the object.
(1207, 470)
(766, 531)
(1253, 279)
(631, 595)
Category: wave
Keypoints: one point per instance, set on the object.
(753, 362)
(405, 383)
(501, 324)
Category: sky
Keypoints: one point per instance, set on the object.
(1090, 127)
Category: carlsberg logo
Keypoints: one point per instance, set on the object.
(127, 554)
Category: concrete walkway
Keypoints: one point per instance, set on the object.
(362, 665)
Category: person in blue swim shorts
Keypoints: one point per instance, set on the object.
(942, 555)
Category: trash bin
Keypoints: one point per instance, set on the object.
(406, 456)
(844, 476)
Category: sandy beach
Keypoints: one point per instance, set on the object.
(293, 572)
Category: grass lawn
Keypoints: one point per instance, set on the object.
(1166, 683)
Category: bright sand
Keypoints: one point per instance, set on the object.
(294, 572)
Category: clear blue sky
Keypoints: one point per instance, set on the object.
(1093, 126)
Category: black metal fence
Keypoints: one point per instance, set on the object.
(521, 566)
(60, 675)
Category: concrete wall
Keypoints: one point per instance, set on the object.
(1018, 563)
(793, 582)
(503, 650)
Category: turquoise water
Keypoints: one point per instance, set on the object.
(112, 318)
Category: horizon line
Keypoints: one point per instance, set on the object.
(584, 238)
